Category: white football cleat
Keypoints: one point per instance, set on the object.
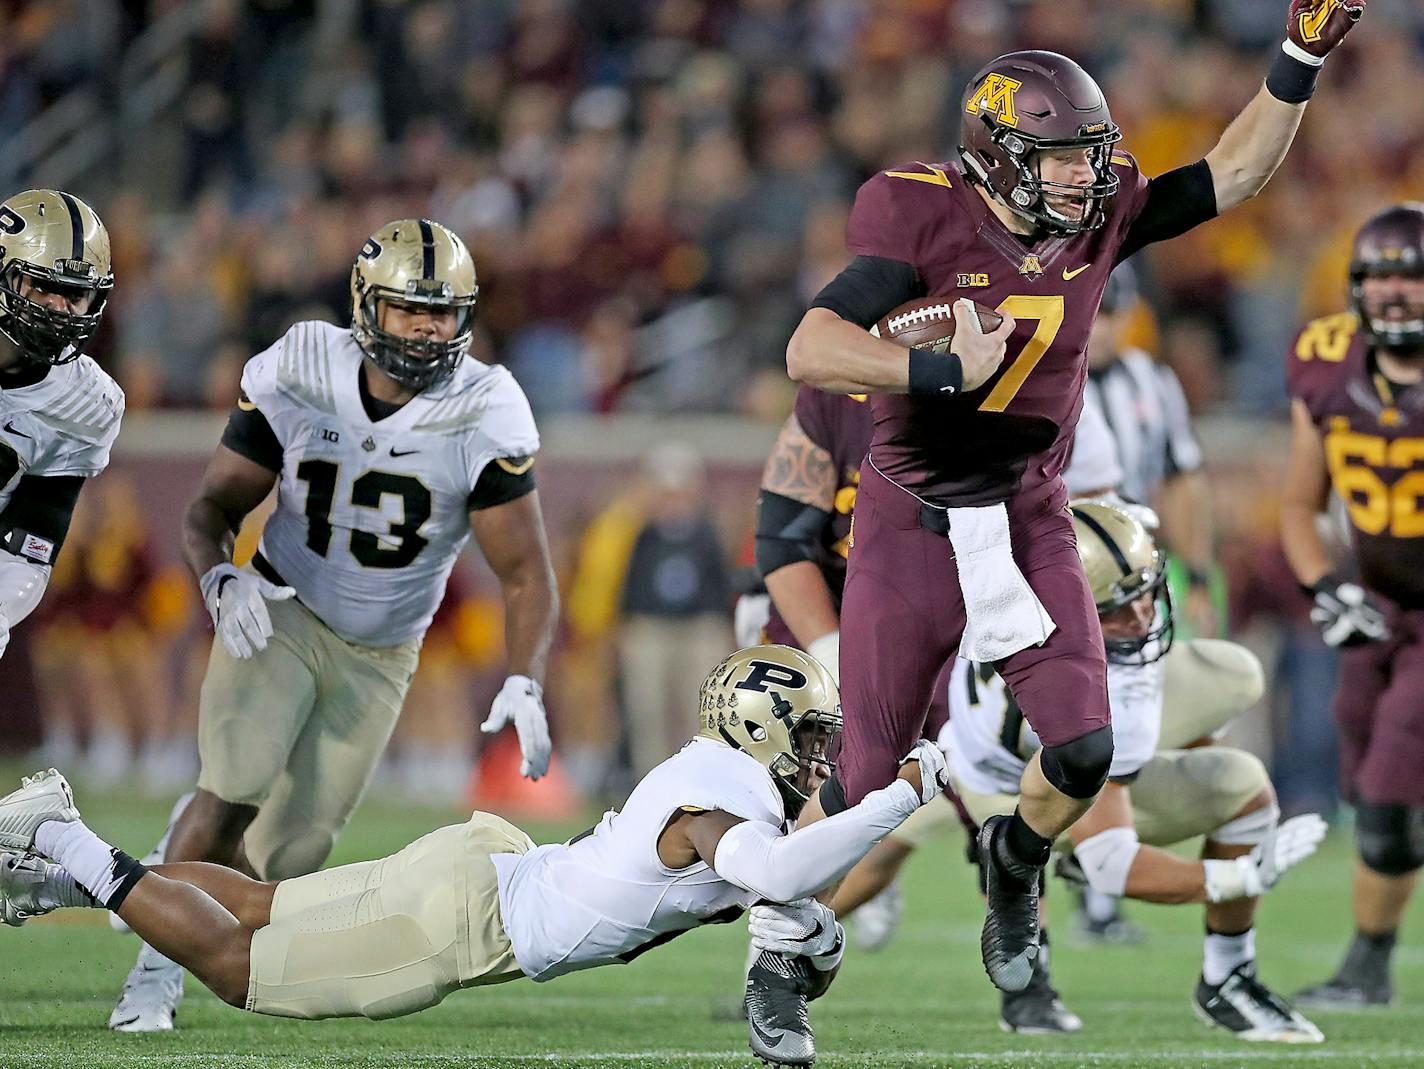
(151, 995)
(21, 878)
(876, 922)
(156, 855)
(41, 797)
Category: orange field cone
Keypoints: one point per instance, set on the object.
(497, 787)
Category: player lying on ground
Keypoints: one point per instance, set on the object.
(706, 835)
(59, 411)
(1029, 219)
(1357, 427)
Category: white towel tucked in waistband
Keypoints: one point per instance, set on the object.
(1002, 613)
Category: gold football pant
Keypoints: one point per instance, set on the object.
(297, 730)
(385, 938)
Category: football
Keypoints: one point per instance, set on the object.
(928, 323)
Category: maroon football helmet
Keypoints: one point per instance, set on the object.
(1026, 102)
(1389, 245)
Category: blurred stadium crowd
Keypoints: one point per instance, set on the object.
(653, 190)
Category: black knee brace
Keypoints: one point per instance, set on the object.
(1080, 768)
(1390, 838)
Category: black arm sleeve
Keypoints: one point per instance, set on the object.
(787, 531)
(502, 480)
(250, 435)
(869, 287)
(35, 521)
(1176, 202)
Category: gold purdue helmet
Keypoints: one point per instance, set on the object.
(423, 265)
(778, 705)
(1122, 562)
(55, 242)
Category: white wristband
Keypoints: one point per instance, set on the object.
(1231, 879)
(1294, 50)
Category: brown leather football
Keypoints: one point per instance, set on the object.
(928, 323)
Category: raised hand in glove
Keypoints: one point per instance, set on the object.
(237, 602)
(522, 701)
(1314, 27)
(1345, 615)
(1288, 844)
(806, 929)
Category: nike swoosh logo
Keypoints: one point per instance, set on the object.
(1069, 276)
(767, 1038)
(11, 428)
(820, 927)
(402, 452)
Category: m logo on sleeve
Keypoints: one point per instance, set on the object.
(996, 97)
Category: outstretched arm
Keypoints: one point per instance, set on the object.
(785, 868)
(1256, 141)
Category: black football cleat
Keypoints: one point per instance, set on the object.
(1009, 941)
(1037, 1010)
(778, 1023)
(1346, 993)
(1250, 1010)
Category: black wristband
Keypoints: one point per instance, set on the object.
(940, 374)
(1290, 80)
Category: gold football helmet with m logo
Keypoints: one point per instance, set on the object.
(55, 274)
(779, 706)
(419, 266)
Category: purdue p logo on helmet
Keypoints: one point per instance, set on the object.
(1123, 563)
(416, 264)
(52, 242)
(778, 705)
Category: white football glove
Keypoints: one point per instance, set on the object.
(522, 701)
(1345, 615)
(1288, 844)
(934, 769)
(827, 650)
(237, 602)
(749, 618)
(4, 632)
(803, 929)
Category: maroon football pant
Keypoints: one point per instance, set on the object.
(1379, 708)
(903, 615)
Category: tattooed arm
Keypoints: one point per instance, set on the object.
(798, 495)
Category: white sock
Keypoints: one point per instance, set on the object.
(61, 890)
(106, 873)
(1221, 954)
(1098, 905)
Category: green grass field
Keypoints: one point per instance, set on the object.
(922, 1002)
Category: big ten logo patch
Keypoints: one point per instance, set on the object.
(996, 97)
(968, 279)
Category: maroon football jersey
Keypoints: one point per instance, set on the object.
(1374, 449)
(1014, 432)
(840, 425)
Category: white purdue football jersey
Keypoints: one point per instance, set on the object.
(372, 514)
(65, 424)
(605, 897)
(988, 741)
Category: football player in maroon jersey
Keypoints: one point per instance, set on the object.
(1029, 219)
(1357, 412)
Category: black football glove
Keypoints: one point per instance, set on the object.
(1317, 26)
(1345, 615)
